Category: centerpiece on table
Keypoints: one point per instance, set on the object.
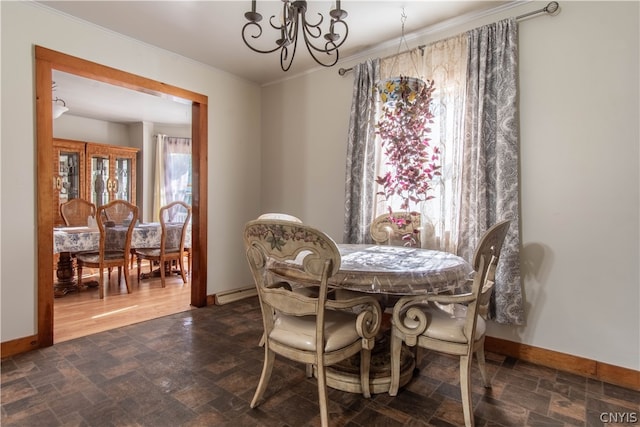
(404, 129)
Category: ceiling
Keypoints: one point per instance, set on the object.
(210, 32)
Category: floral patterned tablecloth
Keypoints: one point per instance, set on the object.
(78, 239)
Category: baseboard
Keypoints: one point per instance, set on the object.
(617, 375)
(211, 299)
(612, 374)
(235, 295)
(19, 345)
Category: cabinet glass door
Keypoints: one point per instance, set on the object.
(69, 172)
(100, 180)
(122, 183)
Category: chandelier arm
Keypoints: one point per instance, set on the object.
(334, 46)
(330, 45)
(274, 26)
(285, 60)
(346, 32)
(311, 48)
(307, 24)
(244, 38)
(284, 64)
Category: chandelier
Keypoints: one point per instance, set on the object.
(292, 22)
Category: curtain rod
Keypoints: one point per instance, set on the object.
(551, 8)
(343, 71)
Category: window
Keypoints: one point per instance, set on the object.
(445, 63)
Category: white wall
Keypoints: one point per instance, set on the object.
(234, 195)
(579, 114)
(579, 144)
(69, 126)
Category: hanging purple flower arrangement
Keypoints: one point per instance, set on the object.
(404, 129)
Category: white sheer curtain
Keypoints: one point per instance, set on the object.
(173, 172)
(444, 62)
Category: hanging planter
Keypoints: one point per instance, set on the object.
(404, 130)
(405, 89)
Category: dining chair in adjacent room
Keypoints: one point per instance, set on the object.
(76, 212)
(397, 229)
(452, 324)
(313, 330)
(174, 220)
(115, 242)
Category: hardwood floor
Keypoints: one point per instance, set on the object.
(83, 313)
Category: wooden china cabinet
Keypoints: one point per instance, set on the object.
(95, 172)
(111, 173)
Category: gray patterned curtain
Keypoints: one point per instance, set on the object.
(360, 173)
(490, 190)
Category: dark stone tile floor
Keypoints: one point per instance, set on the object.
(201, 367)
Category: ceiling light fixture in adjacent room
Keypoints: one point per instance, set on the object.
(292, 21)
(56, 108)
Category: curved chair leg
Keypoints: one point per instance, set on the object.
(322, 394)
(132, 255)
(267, 367)
(162, 272)
(482, 364)
(365, 364)
(79, 268)
(101, 288)
(309, 370)
(465, 389)
(139, 262)
(396, 347)
(181, 266)
(126, 277)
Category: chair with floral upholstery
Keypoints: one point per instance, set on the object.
(452, 324)
(313, 330)
(115, 242)
(397, 229)
(174, 220)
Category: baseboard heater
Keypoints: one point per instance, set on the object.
(235, 295)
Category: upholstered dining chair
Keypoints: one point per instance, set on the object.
(174, 220)
(76, 212)
(313, 330)
(404, 230)
(115, 242)
(452, 324)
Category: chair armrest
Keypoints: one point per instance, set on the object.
(369, 316)
(279, 285)
(409, 316)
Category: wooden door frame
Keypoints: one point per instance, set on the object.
(46, 61)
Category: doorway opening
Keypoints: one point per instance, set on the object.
(48, 60)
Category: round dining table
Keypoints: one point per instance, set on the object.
(399, 270)
(390, 272)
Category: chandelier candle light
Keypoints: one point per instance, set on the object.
(293, 21)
